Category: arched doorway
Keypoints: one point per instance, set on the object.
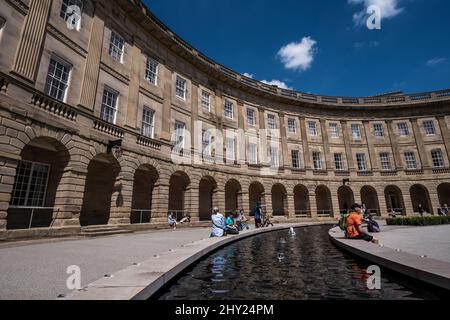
(346, 199)
(178, 185)
(102, 173)
(233, 198)
(420, 196)
(301, 201)
(279, 200)
(324, 203)
(38, 176)
(394, 199)
(207, 190)
(145, 178)
(444, 194)
(369, 197)
(256, 195)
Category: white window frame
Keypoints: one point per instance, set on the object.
(63, 12)
(429, 127)
(312, 125)
(339, 162)
(180, 126)
(230, 149)
(385, 161)
(252, 153)
(361, 162)
(17, 200)
(151, 71)
(295, 158)
(437, 157)
(378, 130)
(356, 131)
(206, 101)
(403, 129)
(292, 125)
(410, 160)
(251, 118)
(274, 157)
(317, 160)
(271, 121)
(114, 95)
(53, 82)
(334, 130)
(116, 46)
(228, 109)
(207, 143)
(148, 127)
(180, 88)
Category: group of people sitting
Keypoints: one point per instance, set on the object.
(232, 224)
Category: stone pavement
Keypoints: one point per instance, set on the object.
(38, 271)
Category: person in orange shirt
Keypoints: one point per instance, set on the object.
(354, 226)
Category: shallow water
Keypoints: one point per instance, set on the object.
(281, 267)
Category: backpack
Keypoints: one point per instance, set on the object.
(373, 227)
(343, 221)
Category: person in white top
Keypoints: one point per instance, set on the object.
(218, 224)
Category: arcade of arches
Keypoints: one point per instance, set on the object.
(103, 190)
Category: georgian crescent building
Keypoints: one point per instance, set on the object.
(96, 96)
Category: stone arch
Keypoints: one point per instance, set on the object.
(369, 198)
(420, 197)
(233, 195)
(145, 178)
(279, 200)
(207, 191)
(38, 175)
(394, 199)
(444, 194)
(256, 193)
(346, 198)
(103, 171)
(178, 186)
(301, 201)
(324, 202)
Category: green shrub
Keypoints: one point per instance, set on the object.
(418, 221)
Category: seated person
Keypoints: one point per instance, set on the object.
(231, 227)
(241, 220)
(186, 219)
(218, 224)
(354, 226)
(172, 221)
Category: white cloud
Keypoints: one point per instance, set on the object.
(389, 9)
(298, 55)
(278, 83)
(248, 75)
(435, 61)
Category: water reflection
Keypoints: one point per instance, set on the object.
(307, 266)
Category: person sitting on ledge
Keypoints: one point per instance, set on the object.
(231, 227)
(172, 221)
(218, 224)
(354, 226)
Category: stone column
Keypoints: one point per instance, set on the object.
(8, 166)
(313, 205)
(245, 203)
(336, 211)
(92, 68)
(135, 81)
(326, 145)
(266, 199)
(160, 201)
(305, 143)
(371, 146)
(194, 118)
(167, 105)
(290, 205)
(409, 210)
(191, 202)
(348, 147)
(219, 199)
(32, 38)
(445, 132)
(69, 197)
(284, 144)
(394, 144)
(434, 198)
(384, 211)
(121, 200)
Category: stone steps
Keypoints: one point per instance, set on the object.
(100, 231)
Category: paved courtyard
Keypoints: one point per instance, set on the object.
(38, 271)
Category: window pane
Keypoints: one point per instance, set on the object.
(151, 72)
(57, 79)
(109, 106)
(30, 184)
(116, 47)
(73, 15)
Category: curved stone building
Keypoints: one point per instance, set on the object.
(108, 117)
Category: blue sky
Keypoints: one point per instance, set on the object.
(322, 47)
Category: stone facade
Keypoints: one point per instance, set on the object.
(63, 136)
